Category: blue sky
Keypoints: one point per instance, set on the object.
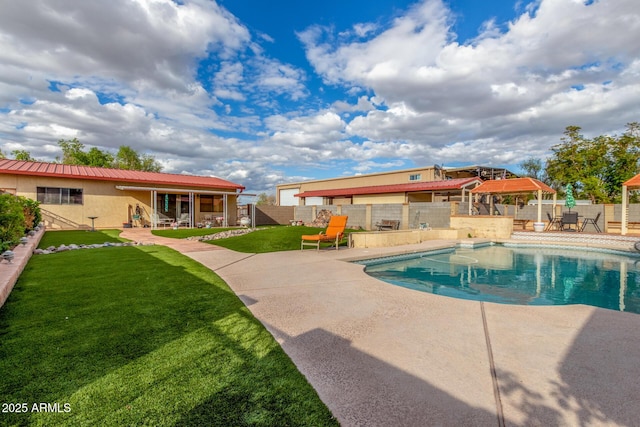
(267, 92)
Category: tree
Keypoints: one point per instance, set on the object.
(73, 154)
(595, 167)
(128, 158)
(23, 155)
(534, 168)
(265, 199)
(2, 156)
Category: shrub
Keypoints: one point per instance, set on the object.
(31, 210)
(12, 225)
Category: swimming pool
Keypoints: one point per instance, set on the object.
(519, 275)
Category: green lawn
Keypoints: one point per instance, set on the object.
(68, 237)
(142, 336)
(272, 239)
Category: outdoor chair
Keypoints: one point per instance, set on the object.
(554, 222)
(160, 219)
(593, 221)
(184, 219)
(333, 233)
(569, 219)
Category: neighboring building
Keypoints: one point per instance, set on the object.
(71, 195)
(428, 184)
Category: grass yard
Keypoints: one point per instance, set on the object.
(272, 239)
(68, 237)
(142, 336)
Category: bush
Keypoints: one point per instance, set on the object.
(12, 225)
(32, 214)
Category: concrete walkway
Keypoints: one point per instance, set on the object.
(382, 355)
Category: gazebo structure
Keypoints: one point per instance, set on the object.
(516, 186)
(631, 184)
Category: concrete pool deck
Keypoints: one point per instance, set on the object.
(382, 355)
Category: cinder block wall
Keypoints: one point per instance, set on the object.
(357, 215)
(386, 211)
(274, 215)
(435, 214)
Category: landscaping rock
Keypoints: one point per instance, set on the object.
(222, 234)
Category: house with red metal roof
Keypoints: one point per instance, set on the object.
(73, 196)
(426, 184)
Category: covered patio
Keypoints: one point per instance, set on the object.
(515, 187)
(627, 186)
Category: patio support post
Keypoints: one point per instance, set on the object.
(625, 202)
(154, 209)
(225, 220)
(491, 204)
(191, 209)
(539, 205)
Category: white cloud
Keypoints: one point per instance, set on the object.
(188, 83)
(507, 86)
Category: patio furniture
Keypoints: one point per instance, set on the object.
(388, 224)
(333, 233)
(160, 219)
(569, 219)
(593, 221)
(520, 223)
(184, 219)
(554, 222)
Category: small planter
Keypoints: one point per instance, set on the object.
(538, 227)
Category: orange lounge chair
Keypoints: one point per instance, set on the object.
(333, 233)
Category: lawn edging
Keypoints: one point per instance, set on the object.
(9, 272)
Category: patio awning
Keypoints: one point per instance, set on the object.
(633, 182)
(512, 186)
(516, 186)
(630, 184)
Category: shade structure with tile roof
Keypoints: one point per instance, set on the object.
(517, 186)
(630, 184)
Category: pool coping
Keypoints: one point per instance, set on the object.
(380, 354)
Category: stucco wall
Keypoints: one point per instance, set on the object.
(380, 239)
(491, 227)
(101, 199)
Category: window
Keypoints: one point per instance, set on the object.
(415, 177)
(209, 203)
(60, 196)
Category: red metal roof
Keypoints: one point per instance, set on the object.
(633, 182)
(444, 185)
(512, 186)
(17, 167)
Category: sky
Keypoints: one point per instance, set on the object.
(267, 92)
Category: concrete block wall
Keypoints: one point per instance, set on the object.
(274, 215)
(303, 213)
(634, 213)
(357, 215)
(435, 214)
(387, 211)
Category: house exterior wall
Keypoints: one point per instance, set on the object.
(101, 199)
(385, 178)
(374, 199)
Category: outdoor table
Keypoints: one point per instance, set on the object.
(92, 218)
(569, 218)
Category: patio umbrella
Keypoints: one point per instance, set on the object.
(570, 201)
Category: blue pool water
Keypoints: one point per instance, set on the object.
(519, 275)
